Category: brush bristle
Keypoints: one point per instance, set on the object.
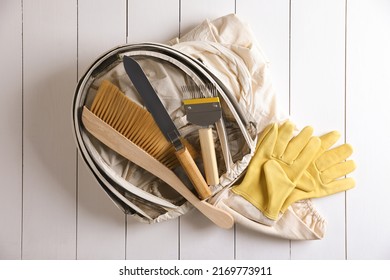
(135, 123)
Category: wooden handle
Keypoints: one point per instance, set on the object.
(193, 173)
(123, 146)
(222, 135)
(208, 155)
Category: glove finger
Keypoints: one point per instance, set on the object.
(337, 171)
(329, 139)
(338, 186)
(266, 143)
(333, 156)
(304, 159)
(297, 144)
(264, 133)
(285, 133)
(332, 188)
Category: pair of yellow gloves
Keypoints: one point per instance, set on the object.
(285, 169)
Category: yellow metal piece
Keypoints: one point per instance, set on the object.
(200, 100)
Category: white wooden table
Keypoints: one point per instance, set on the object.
(330, 65)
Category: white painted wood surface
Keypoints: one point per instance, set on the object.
(367, 119)
(317, 88)
(49, 156)
(101, 226)
(329, 61)
(11, 130)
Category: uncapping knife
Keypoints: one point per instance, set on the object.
(166, 125)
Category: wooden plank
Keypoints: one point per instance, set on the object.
(317, 99)
(100, 224)
(152, 241)
(194, 12)
(49, 208)
(368, 116)
(153, 21)
(199, 238)
(269, 21)
(275, 43)
(101, 27)
(11, 130)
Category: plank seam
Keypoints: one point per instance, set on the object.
(345, 120)
(22, 181)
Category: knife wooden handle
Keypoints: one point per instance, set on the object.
(193, 173)
(208, 155)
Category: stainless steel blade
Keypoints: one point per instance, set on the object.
(152, 101)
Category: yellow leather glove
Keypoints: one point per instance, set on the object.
(270, 180)
(325, 175)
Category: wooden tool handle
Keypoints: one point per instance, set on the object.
(208, 155)
(123, 146)
(222, 135)
(193, 173)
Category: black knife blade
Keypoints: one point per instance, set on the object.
(152, 101)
